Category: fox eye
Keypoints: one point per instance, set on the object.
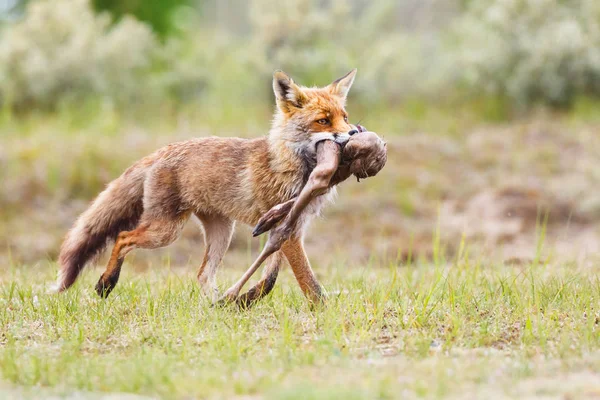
(323, 121)
(346, 118)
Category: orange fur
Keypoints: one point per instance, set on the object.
(219, 180)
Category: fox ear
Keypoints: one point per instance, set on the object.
(342, 86)
(287, 93)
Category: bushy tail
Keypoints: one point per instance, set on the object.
(118, 208)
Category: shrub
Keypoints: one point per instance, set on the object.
(316, 40)
(61, 50)
(301, 37)
(531, 51)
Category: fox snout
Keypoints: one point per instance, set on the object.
(342, 138)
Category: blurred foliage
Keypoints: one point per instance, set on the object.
(531, 51)
(497, 55)
(157, 13)
(9, 9)
(316, 41)
(63, 52)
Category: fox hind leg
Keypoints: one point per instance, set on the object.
(148, 235)
(217, 236)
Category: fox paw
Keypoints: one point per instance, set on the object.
(103, 288)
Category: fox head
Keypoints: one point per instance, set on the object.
(306, 116)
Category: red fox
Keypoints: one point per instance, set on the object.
(218, 180)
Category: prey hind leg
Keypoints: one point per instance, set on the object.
(150, 234)
(217, 236)
(266, 283)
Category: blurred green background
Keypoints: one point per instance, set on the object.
(490, 108)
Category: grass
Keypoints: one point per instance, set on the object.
(465, 329)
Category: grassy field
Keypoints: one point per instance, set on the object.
(463, 329)
(413, 312)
